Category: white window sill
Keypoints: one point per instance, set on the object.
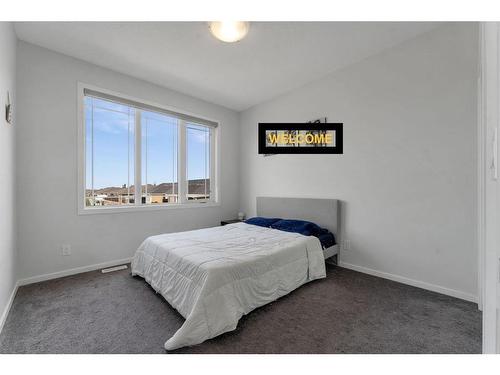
(115, 210)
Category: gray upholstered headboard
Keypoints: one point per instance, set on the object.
(324, 212)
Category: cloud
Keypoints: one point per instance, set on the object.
(111, 122)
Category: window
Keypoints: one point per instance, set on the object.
(170, 155)
(198, 161)
(159, 158)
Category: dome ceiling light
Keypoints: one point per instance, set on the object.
(229, 31)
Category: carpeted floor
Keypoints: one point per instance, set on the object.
(348, 312)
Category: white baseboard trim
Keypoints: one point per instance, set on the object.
(72, 271)
(407, 281)
(6, 310)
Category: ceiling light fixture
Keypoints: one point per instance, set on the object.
(229, 31)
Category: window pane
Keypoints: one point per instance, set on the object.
(198, 161)
(159, 158)
(109, 153)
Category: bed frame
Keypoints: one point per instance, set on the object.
(324, 212)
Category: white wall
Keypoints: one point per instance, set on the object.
(7, 185)
(47, 167)
(408, 172)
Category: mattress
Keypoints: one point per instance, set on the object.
(214, 276)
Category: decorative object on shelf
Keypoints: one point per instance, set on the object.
(8, 110)
(241, 215)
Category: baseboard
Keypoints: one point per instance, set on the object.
(72, 271)
(407, 281)
(6, 310)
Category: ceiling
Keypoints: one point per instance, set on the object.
(274, 58)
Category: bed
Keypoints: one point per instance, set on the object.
(214, 276)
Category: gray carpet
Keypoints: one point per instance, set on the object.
(348, 312)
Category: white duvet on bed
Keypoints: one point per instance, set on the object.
(214, 276)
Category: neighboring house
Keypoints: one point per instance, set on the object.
(166, 192)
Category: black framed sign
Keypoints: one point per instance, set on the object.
(300, 138)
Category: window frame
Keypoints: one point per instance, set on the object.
(181, 162)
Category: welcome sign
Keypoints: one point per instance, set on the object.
(300, 138)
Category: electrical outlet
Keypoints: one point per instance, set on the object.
(346, 245)
(65, 250)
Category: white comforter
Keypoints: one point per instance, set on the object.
(214, 276)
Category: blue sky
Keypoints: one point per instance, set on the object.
(113, 146)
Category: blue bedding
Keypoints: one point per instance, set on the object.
(327, 239)
(262, 221)
(303, 227)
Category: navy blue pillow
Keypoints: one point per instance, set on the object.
(303, 227)
(262, 221)
(327, 239)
